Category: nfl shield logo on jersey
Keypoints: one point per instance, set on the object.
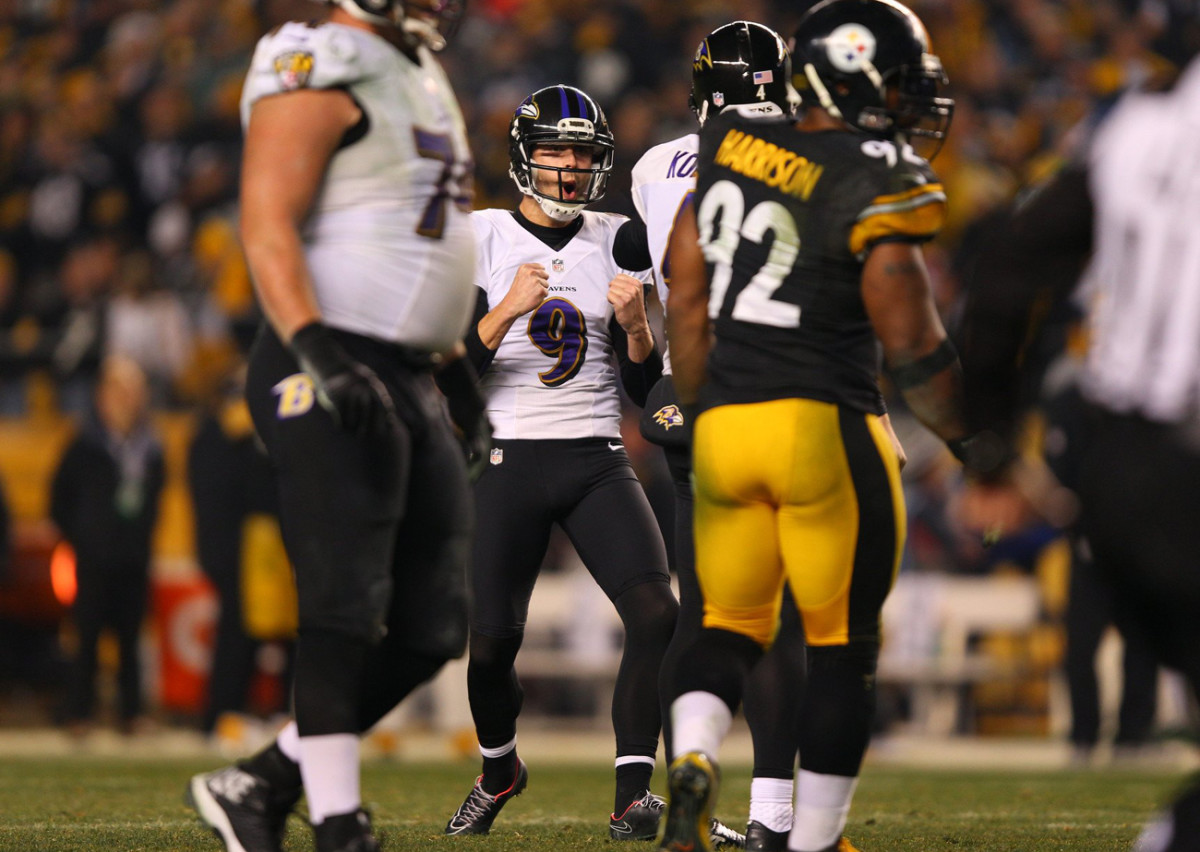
(557, 265)
(497, 455)
(719, 99)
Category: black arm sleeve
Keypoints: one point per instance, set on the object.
(631, 248)
(637, 379)
(478, 354)
(1031, 263)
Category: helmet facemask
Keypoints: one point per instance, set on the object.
(563, 191)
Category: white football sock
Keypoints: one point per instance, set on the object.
(771, 802)
(822, 805)
(288, 741)
(700, 721)
(329, 767)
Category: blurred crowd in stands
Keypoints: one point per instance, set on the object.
(120, 145)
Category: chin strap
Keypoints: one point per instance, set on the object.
(558, 210)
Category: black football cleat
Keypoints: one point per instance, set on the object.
(477, 812)
(692, 787)
(241, 808)
(759, 838)
(639, 821)
(350, 832)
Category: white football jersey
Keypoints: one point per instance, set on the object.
(555, 373)
(389, 242)
(662, 179)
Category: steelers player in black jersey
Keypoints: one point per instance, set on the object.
(803, 245)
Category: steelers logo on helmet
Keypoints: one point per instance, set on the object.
(851, 48)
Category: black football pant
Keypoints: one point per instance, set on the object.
(377, 529)
(1140, 493)
(588, 488)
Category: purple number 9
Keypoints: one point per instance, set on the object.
(557, 328)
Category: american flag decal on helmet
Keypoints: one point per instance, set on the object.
(761, 77)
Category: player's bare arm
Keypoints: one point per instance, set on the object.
(289, 142)
(899, 302)
(529, 289)
(687, 321)
(626, 295)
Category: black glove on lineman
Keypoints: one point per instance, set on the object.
(348, 389)
(458, 383)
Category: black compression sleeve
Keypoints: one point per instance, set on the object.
(478, 354)
(637, 379)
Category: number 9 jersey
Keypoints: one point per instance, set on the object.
(787, 219)
(555, 374)
(388, 242)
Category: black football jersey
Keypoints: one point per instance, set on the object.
(787, 219)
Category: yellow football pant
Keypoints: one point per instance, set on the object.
(802, 490)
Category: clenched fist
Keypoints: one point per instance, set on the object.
(629, 305)
(529, 289)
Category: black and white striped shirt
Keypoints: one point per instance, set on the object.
(1142, 287)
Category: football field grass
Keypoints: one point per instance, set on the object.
(92, 804)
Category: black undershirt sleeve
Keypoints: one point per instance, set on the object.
(1030, 264)
(479, 355)
(637, 379)
(631, 248)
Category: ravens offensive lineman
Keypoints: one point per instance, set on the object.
(558, 317)
(802, 244)
(745, 67)
(354, 205)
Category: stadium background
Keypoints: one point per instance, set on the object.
(119, 151)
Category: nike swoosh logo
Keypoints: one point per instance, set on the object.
(621, 827)
(614, 447)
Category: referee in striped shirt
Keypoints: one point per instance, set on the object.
(1126, 216)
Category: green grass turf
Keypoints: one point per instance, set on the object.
(110, 805)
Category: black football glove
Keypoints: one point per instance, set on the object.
(458, 383)
(348, 389)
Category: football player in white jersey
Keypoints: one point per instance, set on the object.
(559, 316)
(739, 66)
(354, 216)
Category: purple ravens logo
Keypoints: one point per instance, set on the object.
(668, 416)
